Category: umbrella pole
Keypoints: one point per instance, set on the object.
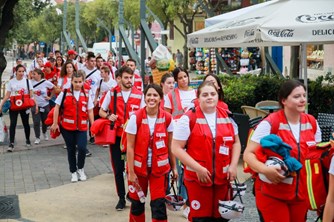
(304, 66)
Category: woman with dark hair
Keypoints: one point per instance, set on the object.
(41, 87)
(216, 82)
(279, 197)
(167, 85)
(59, 63)
(18, 86)
(149, 133)
(211, 157)
(77, 110)
(66, 72)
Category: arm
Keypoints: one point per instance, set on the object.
(91, 116)
(178, 150)
(131, 138)
(250, 158)
(329, 206)
(34, 98)
(55, 126)
(5, 98)
(236, 150)
(171, 155)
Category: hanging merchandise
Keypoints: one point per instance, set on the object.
(199, 61)
(213, 61)
(231, 58)
(206, 61)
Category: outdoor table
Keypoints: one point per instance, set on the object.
(269, 108)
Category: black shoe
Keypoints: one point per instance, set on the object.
(88, 153)
(10, 147)
(120, 205)
(91, 140)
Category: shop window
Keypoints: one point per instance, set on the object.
(315, 56)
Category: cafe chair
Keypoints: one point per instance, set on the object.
(326, 124)
(253, 112)
(267, 103)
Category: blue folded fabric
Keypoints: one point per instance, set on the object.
(6, 106)
(275, 144)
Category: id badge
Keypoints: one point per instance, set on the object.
(160, 144)
(84, 109)
(224, 150)
(41, 110)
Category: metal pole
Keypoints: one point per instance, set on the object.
(142, 38)
(77, 27)
(67, 38)
(120, 23)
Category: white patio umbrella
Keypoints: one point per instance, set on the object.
(282, 22)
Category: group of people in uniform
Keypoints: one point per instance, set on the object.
(173, 133)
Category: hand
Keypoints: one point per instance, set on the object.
(54, 127)
(232, 173)
(132, 177)
(203, 175)
(113, 117)
(273, 174)
(175, 175)
(95, 102)
(36, 110)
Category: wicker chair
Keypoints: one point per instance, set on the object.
(253, 112)
(326, 124)
(267, 103)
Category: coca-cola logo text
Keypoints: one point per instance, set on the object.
(284, 33)
(193, 40)
(249, 32)
(319, 17)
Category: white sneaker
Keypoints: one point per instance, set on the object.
(45, 136)
(74, 177)
(37, 141)
(186, 212)
(65, 147)
(82, 175)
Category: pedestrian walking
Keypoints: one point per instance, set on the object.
(18, 87)
(278, 197)
(211, 156)
(73, 123)
(128, 100)
(40, 112)
(179, 58)
(149, 133)
(167, 84)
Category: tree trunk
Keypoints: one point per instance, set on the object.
(294, 63)
(7, 21)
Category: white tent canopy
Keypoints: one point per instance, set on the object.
(279, 22)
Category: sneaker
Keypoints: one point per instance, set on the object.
(37, 141)
(88, 153)
(28, 144)
(45, 136)
(120, 205)
(105, 146)
(74, 177)
(186, 212)
(10, 147)
(82, 175)
(91, 140)
(65, 147)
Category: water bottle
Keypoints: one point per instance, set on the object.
(140, 192)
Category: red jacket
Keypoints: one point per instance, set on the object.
(299, 151)
(212, 153)
(138, 82)
(158, 143)
(124, 109)
(175, 100)
(75, 113)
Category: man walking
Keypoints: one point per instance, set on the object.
(128, 100)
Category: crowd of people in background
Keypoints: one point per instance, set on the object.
(174, 133)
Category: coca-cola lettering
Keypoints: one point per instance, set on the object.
(285, 33)
(323, 17)
(323, 32)
(193, 40)
(249, 32)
